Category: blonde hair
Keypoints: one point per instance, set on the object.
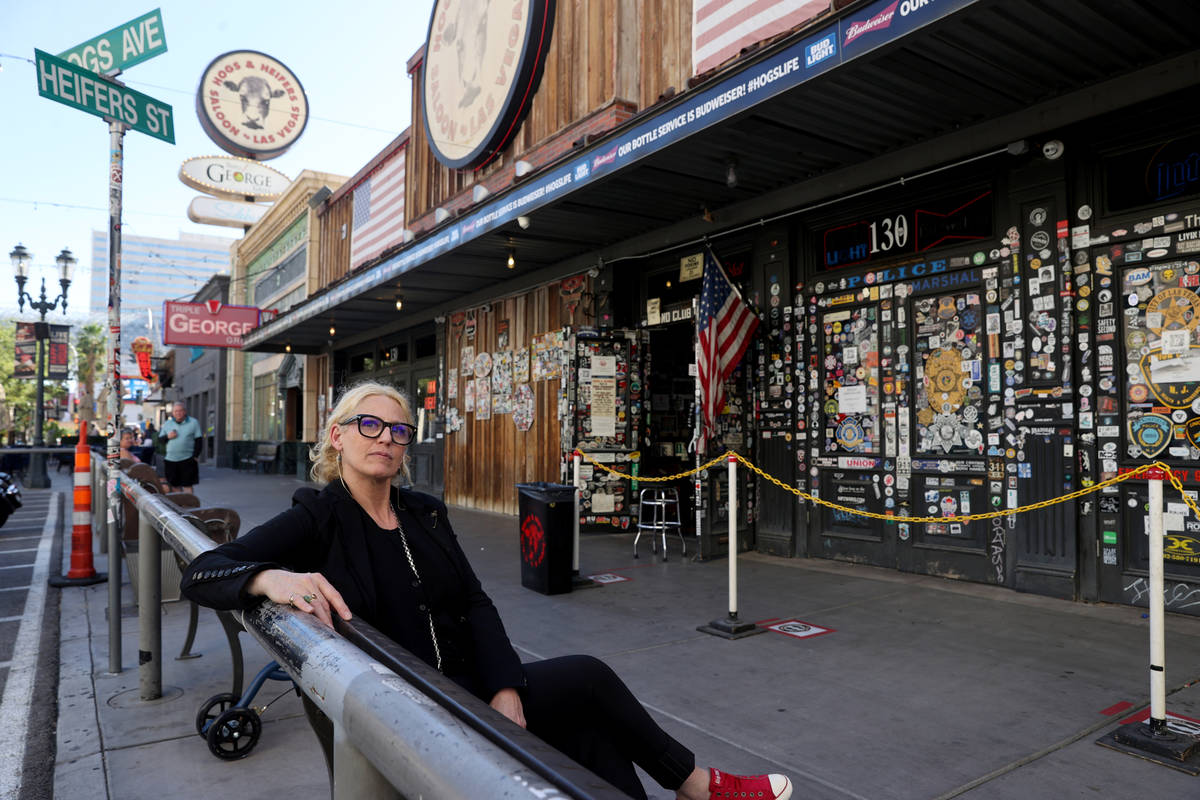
(324, 456)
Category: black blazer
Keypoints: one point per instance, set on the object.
(323, 532)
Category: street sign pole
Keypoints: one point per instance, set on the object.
(116, 171)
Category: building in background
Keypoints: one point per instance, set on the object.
(198, 379)
(272, 398)
(974, 264)
(154, 270)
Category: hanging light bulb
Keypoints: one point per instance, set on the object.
(287, 348)
(332, 328)
(512, 262)
(399, 302)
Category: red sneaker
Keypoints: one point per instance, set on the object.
(722, 785)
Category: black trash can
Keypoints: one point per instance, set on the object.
(545, 516)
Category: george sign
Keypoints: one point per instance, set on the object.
(210, 324)
(26, 351)
(58, 358)
(80, 88)
(125, 45)
(251, 105)
(231, 213)
(230, 176)
(483, 63)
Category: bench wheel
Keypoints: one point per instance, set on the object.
(234, 733)
(213, 707)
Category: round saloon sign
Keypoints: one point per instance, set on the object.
(251, 105)
(483, 62)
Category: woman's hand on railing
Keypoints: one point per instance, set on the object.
(508, 703)
(305, 591)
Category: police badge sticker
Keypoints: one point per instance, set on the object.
(850, 434)
(1191, 429)
(1151, 432)
(1172, 378)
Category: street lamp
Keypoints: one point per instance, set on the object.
(21, 259)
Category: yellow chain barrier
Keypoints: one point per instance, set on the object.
(1136, 471)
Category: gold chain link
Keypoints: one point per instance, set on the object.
(1136, 471)
(642, 478)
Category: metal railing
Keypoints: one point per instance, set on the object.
(420, 735)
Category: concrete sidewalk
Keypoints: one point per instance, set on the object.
(923, 687)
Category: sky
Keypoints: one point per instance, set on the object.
(350, 58)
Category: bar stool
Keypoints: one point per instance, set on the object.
(657, 514)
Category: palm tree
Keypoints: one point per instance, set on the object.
(90, 344)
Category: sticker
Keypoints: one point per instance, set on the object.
(1174, 309)
(608, 577)
(797, 629)
(1151, 432)
(1172, 379)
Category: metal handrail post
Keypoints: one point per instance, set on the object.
(149, 595)
(113, 536)
(354, 776)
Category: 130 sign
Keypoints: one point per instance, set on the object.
(948, 220)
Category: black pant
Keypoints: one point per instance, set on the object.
(578, 705)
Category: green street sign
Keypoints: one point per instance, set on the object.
(80, 88)
(122, 47)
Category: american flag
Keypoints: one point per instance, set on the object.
(378, 221)
(721, 28)
(726, 327)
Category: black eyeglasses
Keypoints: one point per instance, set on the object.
(372, 427)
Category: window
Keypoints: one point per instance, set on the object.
(268, 419)
(362, 362)
(425, 347)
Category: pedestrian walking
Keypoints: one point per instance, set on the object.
(183, 436)
(364, 546)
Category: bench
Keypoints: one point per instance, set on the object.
(264, 456)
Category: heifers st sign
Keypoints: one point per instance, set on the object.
(83, 89)
(210, 324)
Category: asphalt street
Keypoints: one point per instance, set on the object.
(29, 552)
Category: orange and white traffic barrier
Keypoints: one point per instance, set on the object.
(82, 566)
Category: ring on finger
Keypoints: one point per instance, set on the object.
(308, 598)
(292, 600)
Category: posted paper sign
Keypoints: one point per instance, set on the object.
(852, 399)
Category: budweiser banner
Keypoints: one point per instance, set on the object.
(26, 365)
(208, 324)
(58, 357)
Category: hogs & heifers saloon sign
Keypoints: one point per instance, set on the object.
(211, 324)
(251, 105)
(483, 62)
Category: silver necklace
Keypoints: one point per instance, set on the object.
(437, 651)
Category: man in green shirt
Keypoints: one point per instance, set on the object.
(182, 433)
